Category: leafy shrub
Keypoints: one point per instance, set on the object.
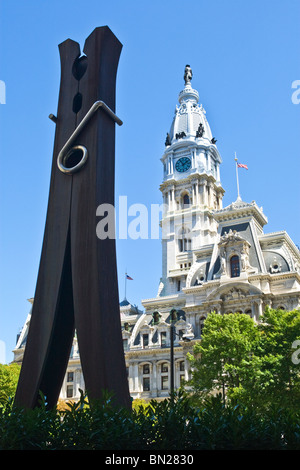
(9, 375)
(178, 423)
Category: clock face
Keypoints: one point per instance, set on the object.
(183, 164)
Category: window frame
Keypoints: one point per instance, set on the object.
(235, 269)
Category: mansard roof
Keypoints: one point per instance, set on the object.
(124, 303)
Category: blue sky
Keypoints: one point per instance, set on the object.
(244, 57)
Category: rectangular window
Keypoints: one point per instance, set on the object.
(180, 333)
(164, 367)
(145, 340)
(235, 266)
(70, 376)
(146, 384)
(163, 339)
(146, 369)
(69, 391)
(164, 382)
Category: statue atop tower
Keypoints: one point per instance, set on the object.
(188, 74)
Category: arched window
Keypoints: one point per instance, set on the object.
(186, 200)
(235, 266)
(146, 377)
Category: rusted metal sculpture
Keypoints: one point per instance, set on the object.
(77, 286)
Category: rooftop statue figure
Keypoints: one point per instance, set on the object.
(188, 74)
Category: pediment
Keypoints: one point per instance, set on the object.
(237, 290)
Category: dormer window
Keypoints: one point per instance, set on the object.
(145, 339)
(234, 266)
(163, 339)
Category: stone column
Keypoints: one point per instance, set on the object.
(135, 377)
(154, 379)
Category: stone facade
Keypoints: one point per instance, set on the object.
(213, 259)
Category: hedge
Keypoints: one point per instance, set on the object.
(172, 424)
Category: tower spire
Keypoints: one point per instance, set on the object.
(191, 187)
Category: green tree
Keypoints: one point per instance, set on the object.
(250, 363)
(9, 375)
(279, 332)
(227, 341)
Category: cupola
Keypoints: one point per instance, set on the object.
(189, 122)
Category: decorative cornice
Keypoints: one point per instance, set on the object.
(239, 210)
(275, 277)
(281, 236)
(171, 300)
(150, 352)
(189, 179)
(201, 288)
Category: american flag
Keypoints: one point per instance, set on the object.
(128, 277)
(241, 165)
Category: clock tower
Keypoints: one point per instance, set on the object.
(191, 189)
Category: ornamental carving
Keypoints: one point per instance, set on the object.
(233, 244)
(234, 294)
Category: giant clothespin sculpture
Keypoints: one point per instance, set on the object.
(77, 286)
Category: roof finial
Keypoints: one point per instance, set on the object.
(188, 74)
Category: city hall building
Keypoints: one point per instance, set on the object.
(214, 258)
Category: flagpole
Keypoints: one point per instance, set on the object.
(237, 176)
(125, 282)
